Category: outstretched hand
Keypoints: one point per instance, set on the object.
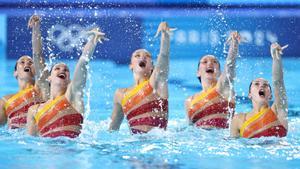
(234, 37)
(276, 50)
(97, 35)
(163, 27)
(34, 21)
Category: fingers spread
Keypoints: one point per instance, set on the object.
(234, 36)
(284, 47)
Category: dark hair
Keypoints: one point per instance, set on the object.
(54, 64)
(16, 66)
(51, 69)
(199, 78)
(251, 85)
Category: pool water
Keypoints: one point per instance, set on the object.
(181, 146)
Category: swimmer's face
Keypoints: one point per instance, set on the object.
(260, 91)
(141, 62)
(60, 74)
(24, 68)
(209, 68)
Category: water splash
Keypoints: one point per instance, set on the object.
(88, 93)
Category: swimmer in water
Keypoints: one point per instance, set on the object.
(62, 114)
(263, 120)
(145, 104)
(33, 86)
(210, 108)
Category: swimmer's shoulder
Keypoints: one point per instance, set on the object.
(121, 91)
(240, 118)
(188, 100)
(35, 108)
(119, 94)
(5, 98)
(192, 97)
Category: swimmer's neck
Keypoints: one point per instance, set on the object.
(207, 84)
(23, 84)
(140, 79)
(57, 91)
(257, 107)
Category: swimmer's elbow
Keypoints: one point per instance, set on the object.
(2, 120)
(231, 137)
(31, 128)
(113, 128)
(31, 131)
(234, 130)
(234, 134)
(114, 125)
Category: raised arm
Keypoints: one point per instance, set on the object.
(280, 104)
(225, 82)
(75, 89)
(39, 63)
(159, 77)
(117, 115)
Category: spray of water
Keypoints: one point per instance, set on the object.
(88, 93)
(222, 26)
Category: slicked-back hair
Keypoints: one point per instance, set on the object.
(252, 83)
(16, 66)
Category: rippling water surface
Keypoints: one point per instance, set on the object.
(181, 146)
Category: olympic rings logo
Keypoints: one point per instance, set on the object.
(67, 38)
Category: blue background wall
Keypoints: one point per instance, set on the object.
(62, 36)
(3, 38)
(199, 35)
(131, 25)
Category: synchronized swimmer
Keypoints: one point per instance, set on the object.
(263, 120)
(62, 114)
(33, 87)
(211, 107)
(145, 105)
(49, 104)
